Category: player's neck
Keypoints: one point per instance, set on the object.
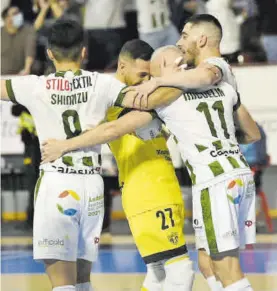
(211, 53)
(67, 66)
(119, 77)
(11, 29)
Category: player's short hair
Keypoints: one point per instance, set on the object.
(205, 18)
(66, 39)
(137, 49)
(5, 12)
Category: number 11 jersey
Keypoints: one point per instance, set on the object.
(64, 105)
(202, 122)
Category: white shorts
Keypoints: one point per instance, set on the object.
(224, 215)
(69, 212)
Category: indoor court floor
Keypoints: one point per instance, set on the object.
(120, 268)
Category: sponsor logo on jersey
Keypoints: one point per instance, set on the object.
(173, 238)
(218, 153)
(230, 233)
(68, 211)
(212, 93)
(45, 242)
(95, 205)
(232, 185)
(58, 84)
(165, 154)
(248, 223)
(250, 190)
(196, 224)
(67, 170)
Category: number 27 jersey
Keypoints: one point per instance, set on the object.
(203, 124)
(63, 105)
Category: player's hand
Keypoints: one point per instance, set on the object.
(44, 4)
(51, 150)
(141, 93)
(169, 69)
(217, 74)
(24, 72)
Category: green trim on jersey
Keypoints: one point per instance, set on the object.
(237, 105)
(218, 144)
(244, 161)
(67, 160)
(192, 175)
(233, 162)
(124, 111)
(127, 110)
(200, 147)
(38, 185)
(62, 73)
(120, 97)
(10, 90)
(87, 161)
(216, 168)
(233, 145)
(208, 220)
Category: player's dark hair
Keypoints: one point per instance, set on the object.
(5, 12)
(137, 49)
(66, 40)
(205, 18)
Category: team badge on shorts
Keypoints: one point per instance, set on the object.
(173, 238)
(68, 194)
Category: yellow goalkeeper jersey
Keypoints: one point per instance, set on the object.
(146, 172)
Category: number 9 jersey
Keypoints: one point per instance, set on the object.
(64, 105)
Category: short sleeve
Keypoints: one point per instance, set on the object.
(225, 69)
(109, 88)
(23, 89)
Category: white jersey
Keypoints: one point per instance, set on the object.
(64, 105)
(153, 15)
(203, 125)
(227, 74)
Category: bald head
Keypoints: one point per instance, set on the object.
(164, 55)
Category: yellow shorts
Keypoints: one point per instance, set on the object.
(158, 233)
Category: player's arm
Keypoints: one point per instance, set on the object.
(23, 90)
(103, 133)
(202, 76)
(4, 91)
(160, 97)
(146, 96)
(247, 128)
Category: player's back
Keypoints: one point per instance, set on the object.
(153, 15)
(64, 105)
(145, 169)
(203, 124)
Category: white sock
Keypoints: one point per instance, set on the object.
(154, 277)
(179, 274)
(241, 285)
(214, 284)
(84, 287)
(65, 288)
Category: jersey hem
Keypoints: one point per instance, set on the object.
(221, 178)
